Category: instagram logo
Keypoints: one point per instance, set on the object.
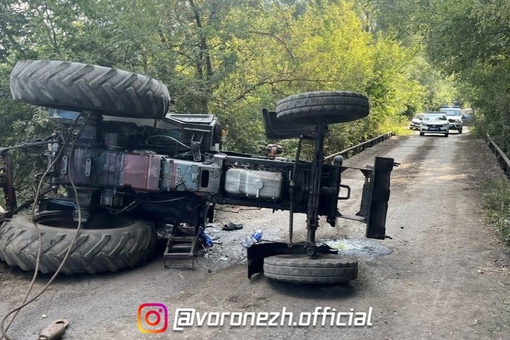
(152, 318)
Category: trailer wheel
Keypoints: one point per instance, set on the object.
(107, 243)
(327, 268)
(327, 106)
(78, 87)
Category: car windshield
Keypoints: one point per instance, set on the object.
(451, 112)
(434, 117)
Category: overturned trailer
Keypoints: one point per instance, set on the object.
(119, 168)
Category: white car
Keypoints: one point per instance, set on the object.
(435, 123)
(454, 115)
(416, 121)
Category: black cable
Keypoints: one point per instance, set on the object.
(25, 303)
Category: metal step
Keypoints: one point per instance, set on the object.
(180, 252)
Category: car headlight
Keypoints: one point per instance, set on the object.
(444, 124)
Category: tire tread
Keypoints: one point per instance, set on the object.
(301, 269)
(329, 106)
(95, 250)
(77, 86)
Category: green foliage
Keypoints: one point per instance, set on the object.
(324, 48)
(496, 200)
(26, 162)
(468, 40)
(233, 58)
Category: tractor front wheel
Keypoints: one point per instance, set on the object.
(327, 268)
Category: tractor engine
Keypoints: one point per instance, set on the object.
(175, 166)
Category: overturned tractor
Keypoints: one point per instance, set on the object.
(119, 168)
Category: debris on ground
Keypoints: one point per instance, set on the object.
(232, 226)
(357, 247)
(55, 330)
(254, 238)
(205, 239)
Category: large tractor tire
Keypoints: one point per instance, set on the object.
(323, 106)
(327, 268)
(81, 87)
(107, 243)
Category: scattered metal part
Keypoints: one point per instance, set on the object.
(55, 330)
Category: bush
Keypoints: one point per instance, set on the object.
(496, 200)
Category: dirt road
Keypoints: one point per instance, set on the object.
(443, 275)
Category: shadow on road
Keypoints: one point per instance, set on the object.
(314, 291)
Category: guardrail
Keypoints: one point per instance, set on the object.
(503, 160)
(353, 150)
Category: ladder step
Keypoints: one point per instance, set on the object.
(180, 252)
(181, 245)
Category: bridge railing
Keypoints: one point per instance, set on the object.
(502, 158)
(353, 150)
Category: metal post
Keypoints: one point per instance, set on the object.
(312, 212)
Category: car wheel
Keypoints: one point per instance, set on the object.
(78, 87)
(327, 268)
(323, 106)
(460, 130)
(108, 243)
(422, 133)
(446, 134)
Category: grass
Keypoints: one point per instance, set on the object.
(496, 200)
(403, 130)
(399, 126)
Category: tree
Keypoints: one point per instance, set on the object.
(469, 39)
(233, 58)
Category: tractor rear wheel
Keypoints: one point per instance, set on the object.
(81, 87)
(106, 243)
